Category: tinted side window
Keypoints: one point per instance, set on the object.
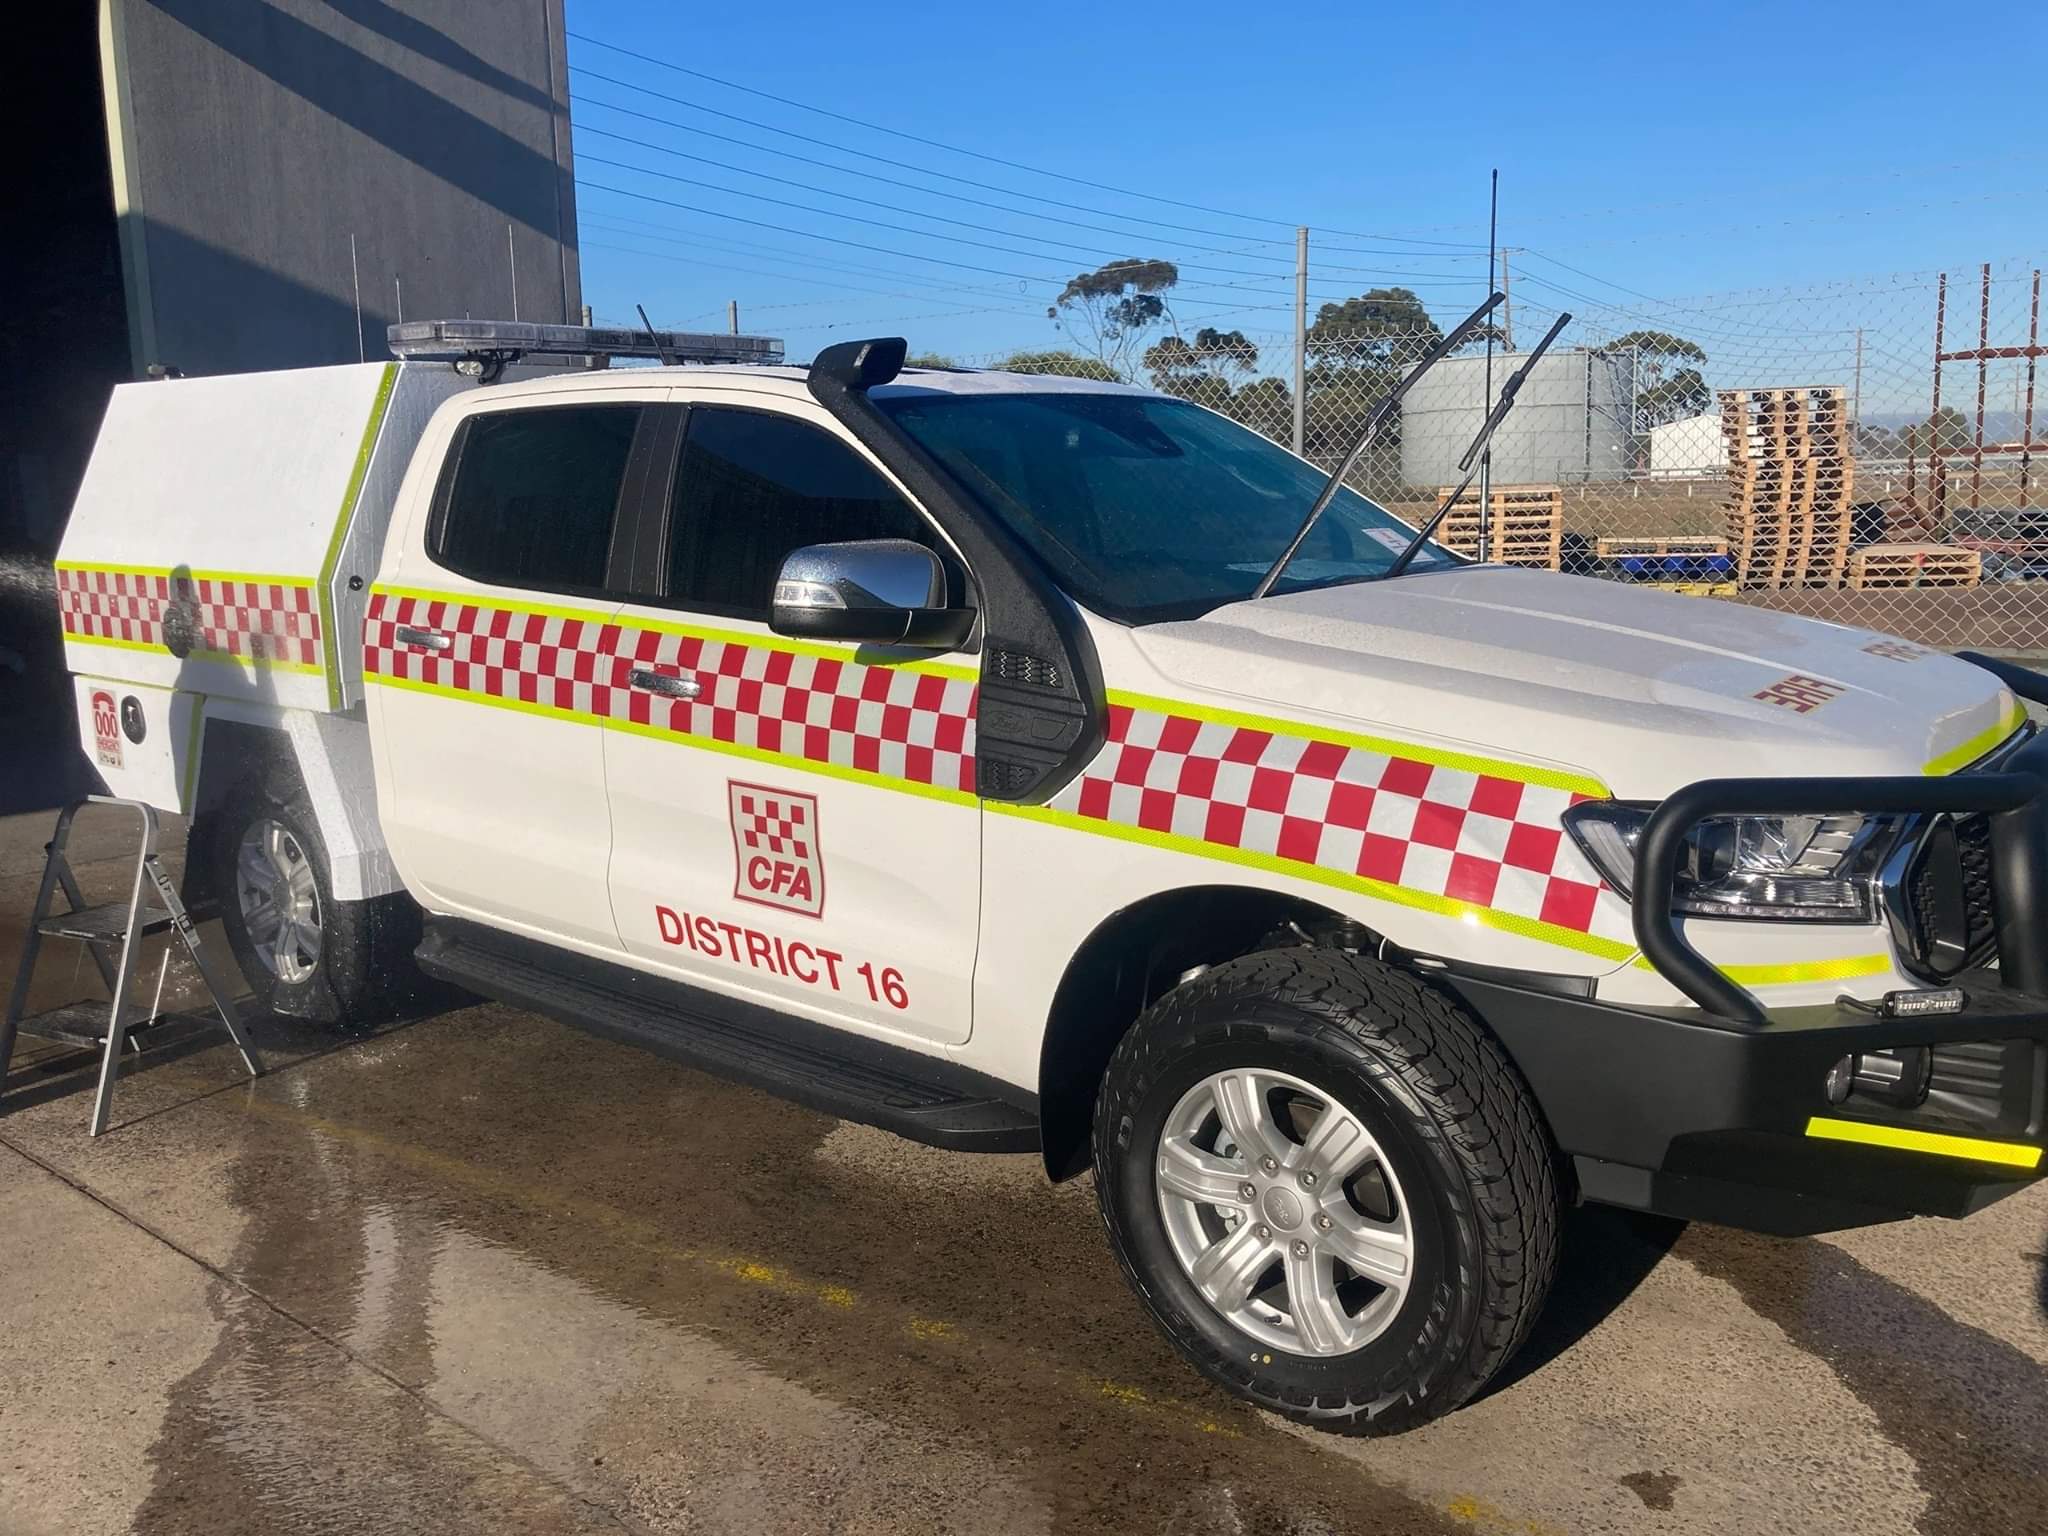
(750, 488)
(535, 495)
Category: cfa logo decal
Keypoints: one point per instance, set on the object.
(775, 849)
(106, 729)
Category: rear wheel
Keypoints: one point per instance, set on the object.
(1329, 1187)
(304, 953)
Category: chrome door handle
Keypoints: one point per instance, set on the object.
(665, 684)
(425, 639)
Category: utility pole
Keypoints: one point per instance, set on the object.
(1507, 304)
(732, 315)
(1301, 339)
(1856, 400)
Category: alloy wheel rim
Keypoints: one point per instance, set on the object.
(1284, 1212)
(279, 900)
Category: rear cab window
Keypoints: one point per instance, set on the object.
(530, 496)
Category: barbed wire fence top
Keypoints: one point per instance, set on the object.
(1797, 449)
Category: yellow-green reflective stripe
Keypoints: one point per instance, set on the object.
(188, 789)
(845, 653)
(1933, 1143)
(256, 578)
(1464, 762)
(1979, 744)
(790, 760)
(1845, 968)
(247, 663)
(324, 593)
(1377, 890)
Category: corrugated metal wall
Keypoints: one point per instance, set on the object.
(252, 138)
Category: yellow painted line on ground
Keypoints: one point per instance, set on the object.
(747, 1270)
(1934, 1143)
(1475, 1511)
(1137, 1397)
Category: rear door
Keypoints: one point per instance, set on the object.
(482, 651)
(792, 821)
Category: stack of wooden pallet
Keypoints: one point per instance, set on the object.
(1526, 526)
(1915, 565)
(1791, 477)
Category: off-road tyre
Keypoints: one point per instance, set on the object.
(365, 973)
(1448, 1110)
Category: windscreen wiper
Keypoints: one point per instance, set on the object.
(1371, 430)
(1470, 462)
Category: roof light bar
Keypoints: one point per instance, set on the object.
(503, 341)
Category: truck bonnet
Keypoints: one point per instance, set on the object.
(1642, 691)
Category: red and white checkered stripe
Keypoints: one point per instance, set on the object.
(261, 621)
(497, 653)
(1490, 840)
(892, 721)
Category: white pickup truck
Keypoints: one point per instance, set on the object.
(908, 742)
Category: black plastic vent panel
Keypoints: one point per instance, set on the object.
(1018, 667)
(1948, 895)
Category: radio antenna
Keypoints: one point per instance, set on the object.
(1486, 459)
(669, 359)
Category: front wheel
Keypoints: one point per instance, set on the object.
(1329, 1186)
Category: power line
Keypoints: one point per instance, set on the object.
(804, 234)
(834, 213)
(787, 277)
(905, 165)
(975, 154)
(668, 234)
(845, 170)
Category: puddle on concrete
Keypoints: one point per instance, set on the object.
(1970, 1410)
(654, 1290)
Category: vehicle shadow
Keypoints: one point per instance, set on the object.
(1606, 1253)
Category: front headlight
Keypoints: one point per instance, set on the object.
(1813, 868)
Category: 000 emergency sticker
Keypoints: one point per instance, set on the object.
(106, 729)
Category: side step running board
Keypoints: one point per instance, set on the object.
(924, 1098)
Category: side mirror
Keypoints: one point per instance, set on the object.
(876, 591)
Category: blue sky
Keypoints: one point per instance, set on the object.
(1669, 150)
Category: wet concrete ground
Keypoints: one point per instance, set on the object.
(482, 1273)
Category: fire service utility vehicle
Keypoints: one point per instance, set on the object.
(1025, 763)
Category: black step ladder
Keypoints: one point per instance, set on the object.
(152, 907)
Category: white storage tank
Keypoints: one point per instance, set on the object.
(1688, 448)
(1571, 422)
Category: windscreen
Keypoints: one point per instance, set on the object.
(1148, 508)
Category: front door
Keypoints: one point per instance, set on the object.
(792, 822)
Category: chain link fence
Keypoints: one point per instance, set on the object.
(1797, 450)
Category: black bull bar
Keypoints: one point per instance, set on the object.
(2014, 799)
